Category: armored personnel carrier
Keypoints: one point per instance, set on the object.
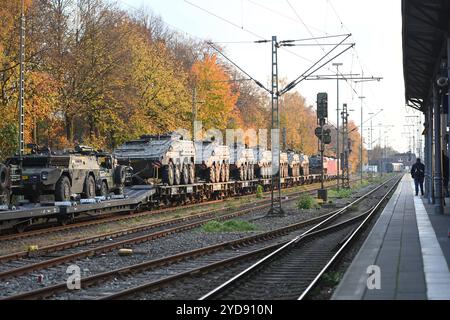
(294, 163)
(304, 165)
(212, 161)
(76, 173)
(155, 158)
(263, 163)
(284, 165)
(242, 163)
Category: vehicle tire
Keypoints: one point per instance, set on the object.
(120, 175)
(249, 172)
(218, 172)
(185, 174)
(227, 175)
(223, 172)
(212, 174)
(62, 189)
(89, 188)
(3, 177)
(170, 174)
(177, 177)
(103, 192)
(241, 173)
(191, 173)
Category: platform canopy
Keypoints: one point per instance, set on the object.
(425, 28)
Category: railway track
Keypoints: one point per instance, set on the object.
(209, 258)
(45, 229)
(292, 271)
(23, 262)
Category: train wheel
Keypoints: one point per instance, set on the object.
(185, 174)
(191, 173)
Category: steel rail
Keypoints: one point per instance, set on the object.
(288, 245)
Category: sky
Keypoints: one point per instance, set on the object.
(376, 28)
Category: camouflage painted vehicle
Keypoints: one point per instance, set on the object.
(5, 185)
(112, 176)
(294, 163)
(65, 175)
(263, 165)
(159, 158)
(212, 161)
(243, 162)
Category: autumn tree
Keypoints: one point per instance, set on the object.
(215, 92)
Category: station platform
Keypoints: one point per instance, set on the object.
(411, 247)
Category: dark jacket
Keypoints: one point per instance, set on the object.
(418, 171)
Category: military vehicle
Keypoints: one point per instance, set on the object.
(64, 175)
(112, 176)
(5, 185)
(212, 161)
(263, 165)
(155, 158)
(243, 162)
(284, 165)
(294, 163)
(304, 165)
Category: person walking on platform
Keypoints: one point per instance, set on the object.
(418, 174)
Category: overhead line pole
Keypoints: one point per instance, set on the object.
(338, 135)
(22, 83)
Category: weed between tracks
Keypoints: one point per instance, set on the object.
(307, 202)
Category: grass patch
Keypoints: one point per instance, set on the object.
(228, 226)
(332, 278)
(340, 194)
(259, 192)
(307, 202)
(362, 184)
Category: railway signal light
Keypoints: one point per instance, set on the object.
(322, 105)
(326, 135)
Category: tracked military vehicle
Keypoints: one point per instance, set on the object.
(212, 161)
(155, 158)
(263, 163)
(65, 175)
(294, 163)
(243, 161)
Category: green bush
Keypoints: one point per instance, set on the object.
(340, 194)
(307, 202)
(228, 226)
(259, 192)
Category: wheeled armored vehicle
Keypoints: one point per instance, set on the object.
(159, 158)
(212, 161)
(263, 163)
(66, 175)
